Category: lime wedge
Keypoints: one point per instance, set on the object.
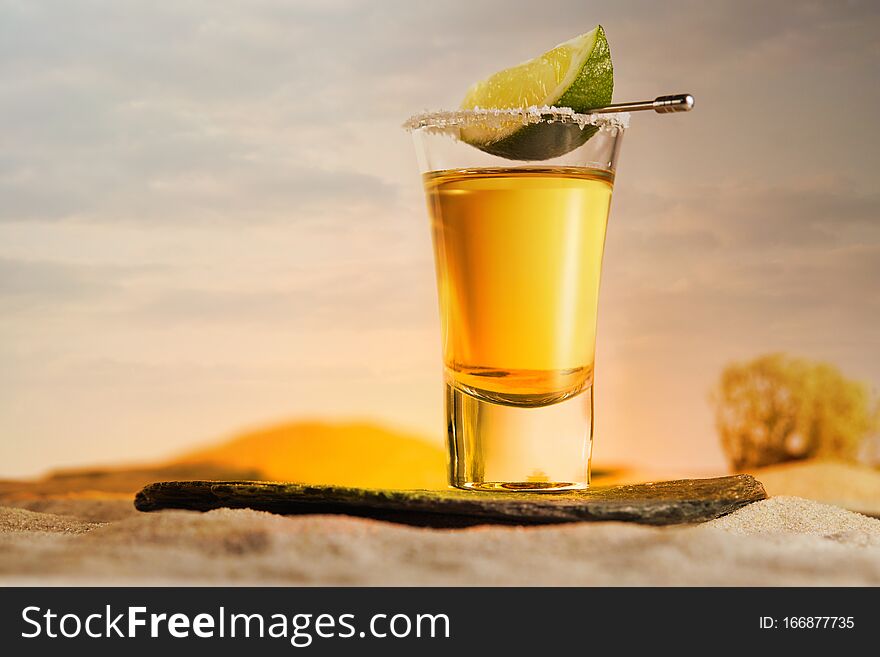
(577, 74)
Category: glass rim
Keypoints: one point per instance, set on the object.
(443, 121)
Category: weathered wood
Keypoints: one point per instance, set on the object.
(658, 503)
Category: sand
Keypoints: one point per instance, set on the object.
(780, 541)
(81, 528)
(852, 486)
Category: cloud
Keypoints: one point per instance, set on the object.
(198, 111)
(746, 215)
(39, 286)
(745, 255)
(370, 298)
(177, 114)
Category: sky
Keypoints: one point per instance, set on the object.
(210, 219)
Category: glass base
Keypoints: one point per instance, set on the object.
(497, 447)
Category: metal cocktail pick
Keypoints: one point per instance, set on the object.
(661, 105)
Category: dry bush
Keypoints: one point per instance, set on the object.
(777, 408)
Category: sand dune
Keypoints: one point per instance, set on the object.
(852, 486)
(349, 454)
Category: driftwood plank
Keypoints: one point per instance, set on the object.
(656, 503)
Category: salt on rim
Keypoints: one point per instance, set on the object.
(443, 120)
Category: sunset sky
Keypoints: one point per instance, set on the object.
(211, 220)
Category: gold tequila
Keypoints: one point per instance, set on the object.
(519, 256)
